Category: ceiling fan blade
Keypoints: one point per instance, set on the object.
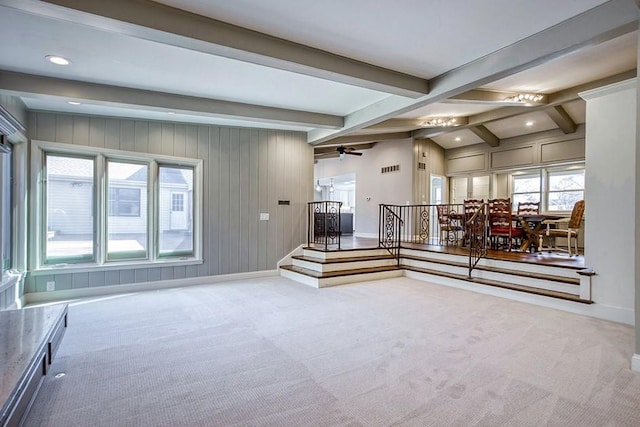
(353, 153)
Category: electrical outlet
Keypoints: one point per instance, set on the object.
(51, 286)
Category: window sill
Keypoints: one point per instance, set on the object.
(117, 265)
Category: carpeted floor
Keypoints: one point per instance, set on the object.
(272, 352)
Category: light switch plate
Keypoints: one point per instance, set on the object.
(264, 216)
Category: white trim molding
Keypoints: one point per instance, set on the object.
(608, 89)
(635, 363)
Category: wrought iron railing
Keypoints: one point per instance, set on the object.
(389, 230)
(323, 219)
(476, 236)
(423, 225)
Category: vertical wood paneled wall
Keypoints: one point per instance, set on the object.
(246, 172)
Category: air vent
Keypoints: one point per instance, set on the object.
(422, 166)
(8, 124)
(388, 169)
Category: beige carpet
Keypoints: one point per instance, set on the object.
(272, 352)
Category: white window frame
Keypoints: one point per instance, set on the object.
(6, 187)
(37, 209)
(548, 191)
(544, 182)
(527, 174)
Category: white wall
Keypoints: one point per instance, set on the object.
(610, 195)
(388, 188)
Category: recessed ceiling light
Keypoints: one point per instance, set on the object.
(458, 138)
(529, 123)
(73, 103)
(58, 60)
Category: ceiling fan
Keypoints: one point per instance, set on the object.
(346, 150)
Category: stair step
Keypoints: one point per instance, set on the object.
(340, 273)
(499, 284)
(342, 260)
(520, 273)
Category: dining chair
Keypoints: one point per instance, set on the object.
(501, 223)
(470, 207)
(528, 208)
(449, 227)
(573, 224)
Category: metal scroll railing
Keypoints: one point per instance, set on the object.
(476, 236)
(323, 224)
(390, 230)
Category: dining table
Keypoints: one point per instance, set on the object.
(532, 225)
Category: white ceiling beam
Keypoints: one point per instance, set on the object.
(486, 135)
(373, 137)
(605, 22)
(164, 24)
(398, 123)
(30, 85)
(482, 96)
(561, 118)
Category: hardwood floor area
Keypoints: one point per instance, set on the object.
(545, 258)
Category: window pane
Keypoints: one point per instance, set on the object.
(6, 211)
(525, 197)
(564, 201)
(69, 209)
(570, 180)
(127, 220)
(175, 217)
(526, 184)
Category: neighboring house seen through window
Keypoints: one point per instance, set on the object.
(124, 201)
(127, 224)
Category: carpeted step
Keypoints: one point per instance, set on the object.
(328, 274)
(521, 273)
(343, 260)
(499, 284)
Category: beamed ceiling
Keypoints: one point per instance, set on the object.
(343, 72)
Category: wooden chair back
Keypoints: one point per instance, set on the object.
(443, 214)
(528, 208)
(500, 215)
(576, 215)
(471, 206)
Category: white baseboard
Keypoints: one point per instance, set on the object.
(635, 363)
(71, 294)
